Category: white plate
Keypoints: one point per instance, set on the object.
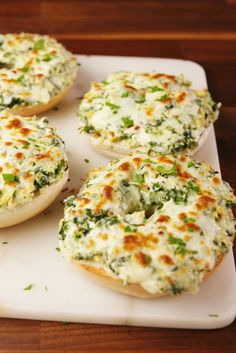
(61, 293)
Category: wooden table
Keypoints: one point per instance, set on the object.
(203, 31)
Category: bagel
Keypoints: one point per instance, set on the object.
(160, 112)
(149, 226)
(33, 167)
(36, 72)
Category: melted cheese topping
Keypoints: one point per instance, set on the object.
(159, 111)
(31, 156)
(33, 69)
(162, 222)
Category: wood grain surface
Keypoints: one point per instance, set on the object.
(203, 31)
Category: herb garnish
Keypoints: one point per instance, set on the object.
(112, 106)
(181, 245)
(29, 287)
(163, 171)
(155, 89)
(39, 44)
(139, 178)
(130, 229)
(7, 177)
(191, 185)
(127, 121)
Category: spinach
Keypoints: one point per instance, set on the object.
(42, 178)
(64, 227)
(102, 217)
(155, 89)
(230, 203)
(179, 196)
(69, 201)
(60, 165)
(15, 101)
(176, 290)
(88, 128)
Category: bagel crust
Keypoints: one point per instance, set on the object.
(36, 72)
(33, 167)
(149, 226)
(157, 111)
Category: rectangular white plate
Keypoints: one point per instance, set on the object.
(61, 293)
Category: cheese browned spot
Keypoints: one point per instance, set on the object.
(205, 202)
(107, 192)
(124, 166)
(159, 222)
(166, 259)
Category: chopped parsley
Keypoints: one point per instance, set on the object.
(48, 57)
(193, 164)
(163, 97)
(63, 230)
(25, 68)
(181, 245)
(88, 128)
(29, 287)
(125, 94)
(130, 229)
(19, 79)
(140, 178)
(189, 220)
(39, 44)
(192, 185)
(179, 196)
(112, 106)
(155, 89)
(102, 217)
(10, 177)
(163, 171)
(148, 259)
(127, 121)
(15, 101)
(230, 203)
(176, 290)
(149, 160)
(60, 165)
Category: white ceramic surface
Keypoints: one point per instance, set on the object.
(61, 293)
